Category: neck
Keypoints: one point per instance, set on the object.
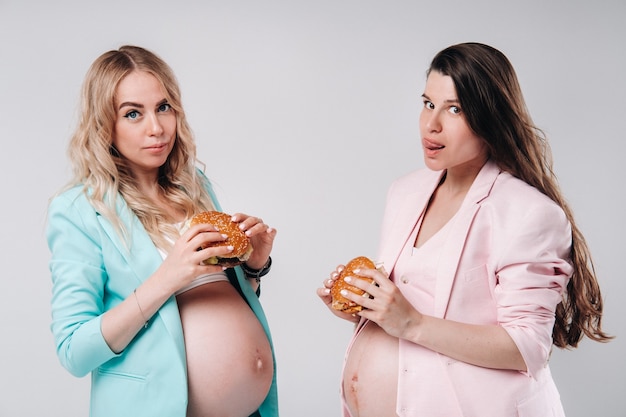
(150, 190)
(459, 179)
(147, 183)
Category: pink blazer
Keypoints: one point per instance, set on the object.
(505, 261)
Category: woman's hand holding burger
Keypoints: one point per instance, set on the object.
(251, 239)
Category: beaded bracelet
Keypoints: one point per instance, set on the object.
(257, 273)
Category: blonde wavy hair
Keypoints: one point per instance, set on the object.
(105, 174)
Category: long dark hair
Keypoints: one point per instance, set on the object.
(491, 98)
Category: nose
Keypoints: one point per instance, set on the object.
(154, 126)
(431, 120)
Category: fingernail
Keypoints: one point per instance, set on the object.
(356, 271)
(326, 291)
(344, 292)
(348, 279)
(225, 236)
(231, 247)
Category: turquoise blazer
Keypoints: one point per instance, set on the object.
(93, 270)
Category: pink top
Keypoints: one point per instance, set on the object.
(416, 276)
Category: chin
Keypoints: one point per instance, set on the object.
(434, 165)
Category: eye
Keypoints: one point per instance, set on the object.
(428, 105)
(165, 107)
(455, 110)
(133, 114)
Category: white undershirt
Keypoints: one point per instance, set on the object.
(200, 280)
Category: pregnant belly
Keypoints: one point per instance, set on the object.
(370, 376)
(229, 360)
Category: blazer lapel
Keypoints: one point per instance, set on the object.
(401, 226)
(454, 244)
(143, 258)
(139, 252)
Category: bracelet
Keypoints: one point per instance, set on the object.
(257, 273)
(145, 324)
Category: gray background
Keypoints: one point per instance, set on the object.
(319, 101)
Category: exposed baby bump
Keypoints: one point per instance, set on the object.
(371, 374)
(229, 359)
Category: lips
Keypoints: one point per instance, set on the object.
(431, 148)
(431, 145)
(158, 146)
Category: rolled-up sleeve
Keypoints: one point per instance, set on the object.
(78, 281)
(532, 273)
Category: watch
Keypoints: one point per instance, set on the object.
(257, 273)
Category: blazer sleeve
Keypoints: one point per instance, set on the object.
(532, 272)
(78, 280)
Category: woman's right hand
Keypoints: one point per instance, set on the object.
(184, 262)
(181, 266)
(324, 294)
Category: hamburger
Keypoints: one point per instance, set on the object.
(242, 248)
(339, 302)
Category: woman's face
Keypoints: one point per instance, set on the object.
(145, 125)
(447, 140)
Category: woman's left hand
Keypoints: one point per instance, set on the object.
(261, 236)
(387, 306)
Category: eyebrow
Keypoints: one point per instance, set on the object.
(140, 106)
(130, 104)
(453, 101)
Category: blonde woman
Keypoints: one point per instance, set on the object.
(161, 333)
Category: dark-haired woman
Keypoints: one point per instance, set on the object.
(484, 267)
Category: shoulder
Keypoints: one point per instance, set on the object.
(71, 209)
(512, 192)
(513, 201)
(70, 199)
